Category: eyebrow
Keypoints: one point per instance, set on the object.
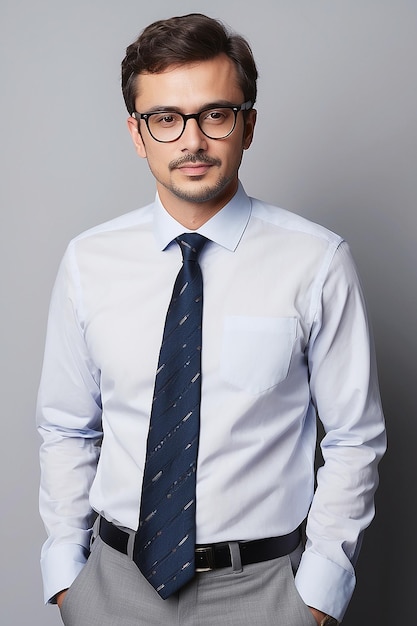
(209, 105)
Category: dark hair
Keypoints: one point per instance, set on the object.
(181, 40)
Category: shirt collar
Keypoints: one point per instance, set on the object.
(225, 228)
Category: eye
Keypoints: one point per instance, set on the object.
(215, 116)
(165, 119)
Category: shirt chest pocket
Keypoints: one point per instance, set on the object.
(256, 351)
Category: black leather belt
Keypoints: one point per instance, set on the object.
(215, 555)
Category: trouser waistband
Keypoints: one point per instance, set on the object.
(214, 555)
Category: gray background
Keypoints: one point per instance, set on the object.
(335, 141)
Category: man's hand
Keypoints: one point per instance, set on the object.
(60, 597)
(318, 615)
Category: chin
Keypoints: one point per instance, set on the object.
(204, 193)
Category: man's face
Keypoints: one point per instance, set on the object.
(193, 169)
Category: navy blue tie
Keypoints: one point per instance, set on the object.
(165, 543)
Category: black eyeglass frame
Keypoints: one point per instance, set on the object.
(246, 106)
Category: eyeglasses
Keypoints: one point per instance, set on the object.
(215, 122)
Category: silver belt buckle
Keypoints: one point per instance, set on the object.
(208, 551)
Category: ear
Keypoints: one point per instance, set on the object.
(250, 121)
(132, 125)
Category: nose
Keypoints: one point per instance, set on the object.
(193, 139)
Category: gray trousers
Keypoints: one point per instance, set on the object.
(110, 591)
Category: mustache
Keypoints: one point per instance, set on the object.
(194, 158)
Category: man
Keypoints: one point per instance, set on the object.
(283, 338)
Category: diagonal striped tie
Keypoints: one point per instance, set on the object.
(165, 543)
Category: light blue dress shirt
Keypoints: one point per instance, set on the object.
(285, 337)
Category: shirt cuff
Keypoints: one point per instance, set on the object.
(60, 567)
(324, 585)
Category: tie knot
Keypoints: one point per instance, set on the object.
(191, 245)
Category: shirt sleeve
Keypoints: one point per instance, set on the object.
(69, 422)
(344, 390)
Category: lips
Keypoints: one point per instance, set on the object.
(195, 170)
